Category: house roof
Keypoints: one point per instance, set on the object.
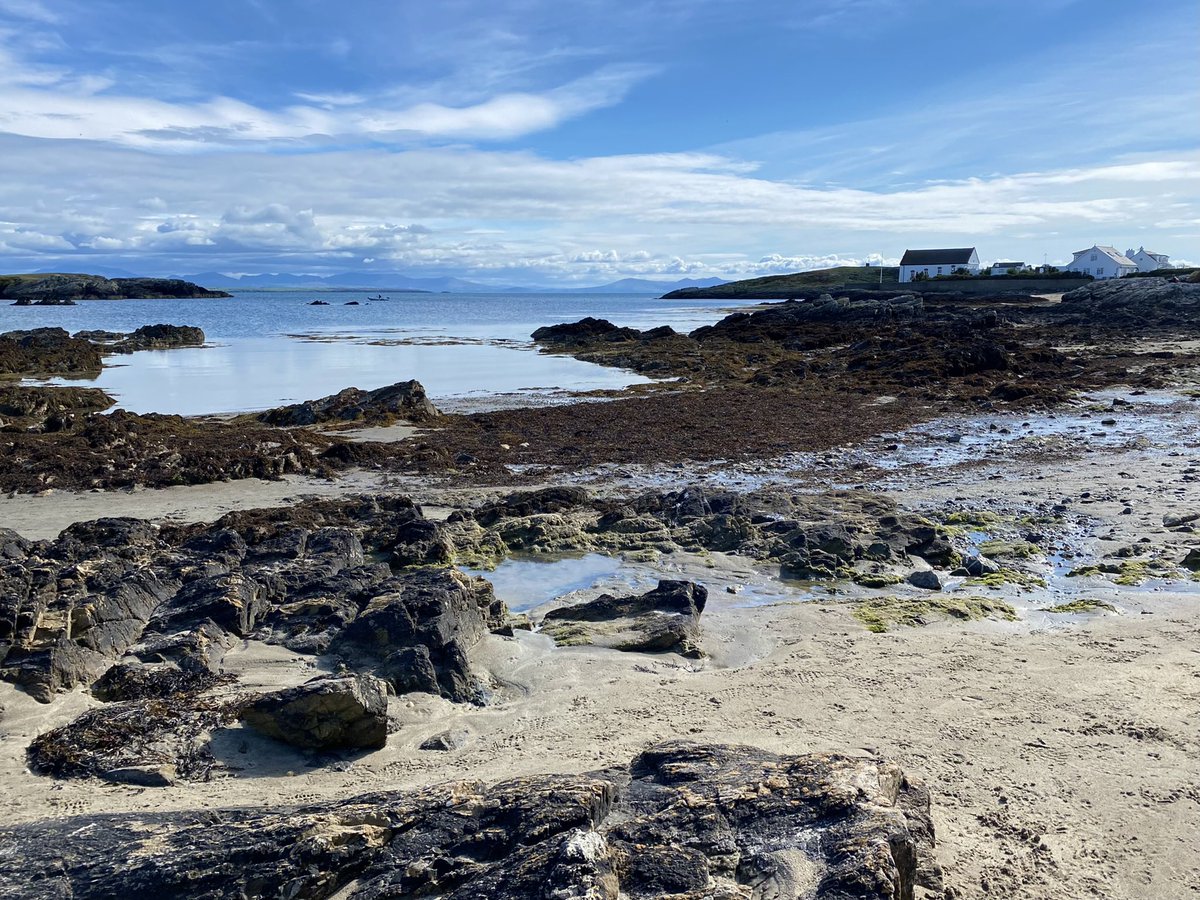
(953, 257)
(1111, 252)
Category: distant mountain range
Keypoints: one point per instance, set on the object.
(397, 282)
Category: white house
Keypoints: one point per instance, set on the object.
(1148, 260)
(1008, 268)
(1101, 262)
(932, 263)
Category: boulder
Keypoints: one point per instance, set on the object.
(664, 620)
(979, 566)
(682, 820)
(926, 579)
(420, 624)
(404, 400)
(330, 712)
(585, 331)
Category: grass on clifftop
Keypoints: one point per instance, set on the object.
(775, 286)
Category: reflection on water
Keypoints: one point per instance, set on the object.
(258, 373)
(457, 345)
(524, 583)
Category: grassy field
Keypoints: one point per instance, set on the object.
(784, 285)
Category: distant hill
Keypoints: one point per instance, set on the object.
(783, 286)
(397, 282)
(354, 280)
(642, 285)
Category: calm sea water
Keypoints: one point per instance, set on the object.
(267, 348)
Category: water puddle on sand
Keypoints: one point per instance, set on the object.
(527, 582)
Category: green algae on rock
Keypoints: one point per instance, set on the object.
(881, 614)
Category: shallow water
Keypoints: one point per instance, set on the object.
(270, 348)
(527, 582)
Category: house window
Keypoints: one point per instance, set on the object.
(939, 270)
(1093, 257)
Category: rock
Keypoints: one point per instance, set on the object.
(50, 409)
(980, 566)
(528, 503)
(159, 337)
(143, 776)
(146, 734)
(40, 289)
(664, 620)
(1192, 560)
(454, 739)
(404, 400)
(1174, 521)
(431, 618)
(926, 579)
(46, 351)
(584, 331)
(330, 712)
(1141, 302)
(682, 820)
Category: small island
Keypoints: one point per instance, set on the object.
(64, 289)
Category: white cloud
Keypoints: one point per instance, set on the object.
(516, 216)
(51, 103)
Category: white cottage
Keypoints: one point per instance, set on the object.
(932, 263)
(1008, 268)
(1101, 262)
(1148, 260)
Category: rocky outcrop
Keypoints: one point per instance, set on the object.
(664, 620)
(48, 409)
(158, 337)
(330, 712)
(683, 820)
(27, 290)
(121, 449)
(140, 613)
(584, 331)
(1139, 302)
(47, 351)
(416, 631)
(168, 737)
(405, 400)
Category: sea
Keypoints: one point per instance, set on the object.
(270, 348)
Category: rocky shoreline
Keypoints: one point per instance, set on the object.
(781, 689)
(66, 289)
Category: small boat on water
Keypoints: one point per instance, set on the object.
(379, 297)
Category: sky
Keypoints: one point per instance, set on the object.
(530, 142)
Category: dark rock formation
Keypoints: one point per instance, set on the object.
(48, 409)
(59, 288)
(685, 821)
(417, 629)
(584, 331)
(142, 614)
(405, 400)
(664, 620)
(1133, 302)
(330, 712)
(166, 735)
(158, 337)
(47, 351)
(121, 449)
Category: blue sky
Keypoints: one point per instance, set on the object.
(550, 143)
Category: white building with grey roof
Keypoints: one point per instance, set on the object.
(1148, 260)
(932, 263)
(1101, 263)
